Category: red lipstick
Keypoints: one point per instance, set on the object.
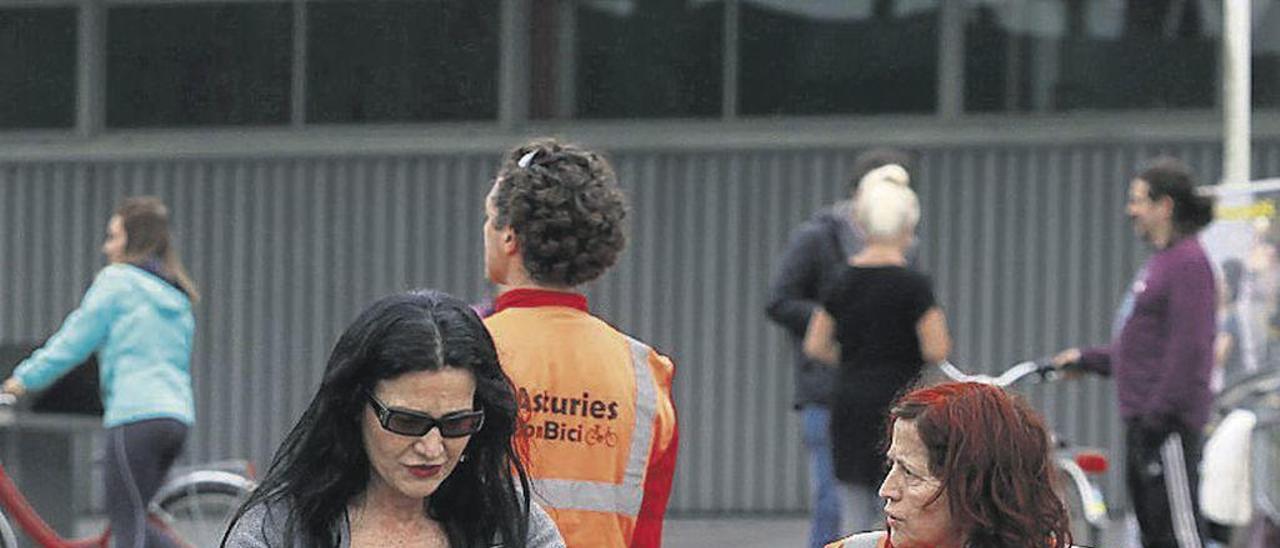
(424, 471)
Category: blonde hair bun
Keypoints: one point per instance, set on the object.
(889, 173)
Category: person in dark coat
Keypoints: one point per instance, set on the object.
(816, 247)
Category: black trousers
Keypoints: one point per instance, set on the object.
(139, 455)
(1162, 469)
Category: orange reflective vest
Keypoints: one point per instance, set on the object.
(598, 418)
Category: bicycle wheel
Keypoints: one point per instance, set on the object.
(8, 539)
(1081, 532)
(199, 508)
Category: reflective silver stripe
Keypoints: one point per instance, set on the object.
(1177, 488)
(646, 412)
(624, 498)
(593, 496)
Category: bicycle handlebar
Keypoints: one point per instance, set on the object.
(1014, 374)
(7, 403)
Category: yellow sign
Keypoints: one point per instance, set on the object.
(1260, 209)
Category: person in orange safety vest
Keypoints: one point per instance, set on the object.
(599, 419)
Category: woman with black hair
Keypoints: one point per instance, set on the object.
(408, 442)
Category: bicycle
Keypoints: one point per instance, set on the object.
(1086, 506)
(193, 506)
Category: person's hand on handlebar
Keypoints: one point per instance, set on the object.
(14, 387)
(1068, 362)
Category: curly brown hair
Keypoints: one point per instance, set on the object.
(993, 454)
(565, 208)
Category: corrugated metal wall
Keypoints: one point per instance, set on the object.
(1028, 246)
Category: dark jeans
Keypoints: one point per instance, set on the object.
(1162, 468)
(139, 455)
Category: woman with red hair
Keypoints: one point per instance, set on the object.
(968, 466)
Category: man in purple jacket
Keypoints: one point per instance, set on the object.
(1161, 355)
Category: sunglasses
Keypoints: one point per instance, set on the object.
(413, 423)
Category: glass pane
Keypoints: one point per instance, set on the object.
(649, 58)
(37, 68)
(399, 61)
(1266, 56)
(818, 57)
(1069, 55)
(198, 64)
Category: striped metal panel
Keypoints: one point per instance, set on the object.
(1027, 244)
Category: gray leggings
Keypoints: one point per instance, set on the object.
(139, 455)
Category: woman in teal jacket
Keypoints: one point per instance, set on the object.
(137, 317)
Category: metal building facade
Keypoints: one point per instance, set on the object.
(1027, 244)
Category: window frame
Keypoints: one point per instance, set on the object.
(513, 78)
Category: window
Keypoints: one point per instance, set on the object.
(198, 64)
(648, 58)
(823, 57)
(1064, 55)
(201, 63)
(37, 68)
(402, 61)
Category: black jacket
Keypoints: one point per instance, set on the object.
(816, 248)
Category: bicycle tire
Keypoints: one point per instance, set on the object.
(199, 509)
(1074, 503)
(1083, 531)
(8, 538)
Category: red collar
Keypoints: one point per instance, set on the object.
(530, 298)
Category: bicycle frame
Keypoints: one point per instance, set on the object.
(17, 507)
(29, 521)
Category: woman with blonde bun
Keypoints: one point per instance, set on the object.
(880, 325)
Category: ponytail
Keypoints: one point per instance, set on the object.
(146, 222)
(1168, 176)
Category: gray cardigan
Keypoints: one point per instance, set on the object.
(263, 527)
(862, 540)
(871, 540)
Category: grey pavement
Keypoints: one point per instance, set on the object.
(739, 531)
(755, 531)
(764, 531)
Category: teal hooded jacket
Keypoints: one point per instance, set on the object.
(142, 329)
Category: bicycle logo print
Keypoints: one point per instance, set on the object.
(602, 435)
